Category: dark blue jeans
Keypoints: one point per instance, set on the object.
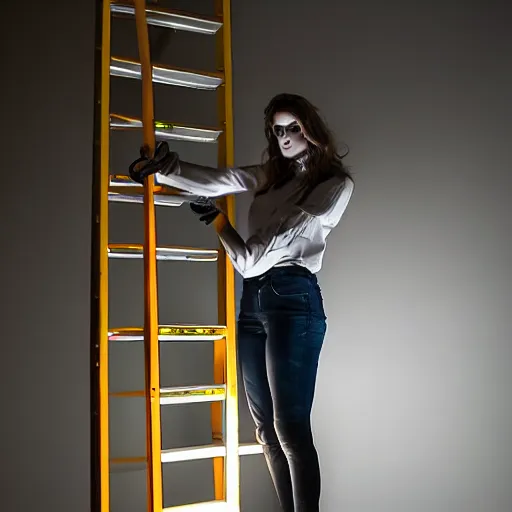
(281, 330)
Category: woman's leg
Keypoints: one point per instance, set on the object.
(252, 339)
(296, 328)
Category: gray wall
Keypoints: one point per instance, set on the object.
(411, 411)
(47, 122)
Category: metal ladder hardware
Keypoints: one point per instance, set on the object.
(169, 18)
(135, 251)
(168, 130)
(165, 75)
(222, 393)
(170, 333)
(182, 395)
(208, 506)
(121, 189)
(216, 449)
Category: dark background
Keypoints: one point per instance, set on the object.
(412, 411)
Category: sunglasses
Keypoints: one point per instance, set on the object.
(282, 131)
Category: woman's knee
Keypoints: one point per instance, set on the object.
(266, 435)
(291, 433)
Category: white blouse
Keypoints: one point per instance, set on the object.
(281, 232)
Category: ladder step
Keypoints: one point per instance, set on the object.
(184, 454)
(168, 18)
(122, 189)
(170, 333)
(192, 394)
(250, 449)
(206, 506)
(168, 130)
(181, 395)
(208, 451)
(126, 68)
(136, 251)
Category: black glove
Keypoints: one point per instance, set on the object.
(205, 208)
(164, 162)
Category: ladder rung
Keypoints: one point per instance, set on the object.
(170, 333)
(182, 394)
(192, 394)
(122, 189)
(136, 251)
(250, 449)
(206, 506)
(184, 454)
(168, 18)
(126, 68)
(168, 130)
(136, 196)
(208, 451)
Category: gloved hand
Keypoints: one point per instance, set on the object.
(164, 162)
(205, 208)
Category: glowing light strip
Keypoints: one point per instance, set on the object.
(167, 130)
(124, 68)
(170, 333)
(172, 19)
(180, 395)
(207, 506)
(183, 454)
(135, 251)
(193, 453)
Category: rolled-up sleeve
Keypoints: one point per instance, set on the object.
(211, 182)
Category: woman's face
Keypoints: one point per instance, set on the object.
(288, 131)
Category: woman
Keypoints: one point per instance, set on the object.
(301, 191)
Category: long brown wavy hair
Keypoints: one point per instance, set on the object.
(323, 159)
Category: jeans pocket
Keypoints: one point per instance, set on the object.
(285, 295)
(290, 285)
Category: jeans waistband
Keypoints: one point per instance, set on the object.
(284, 270)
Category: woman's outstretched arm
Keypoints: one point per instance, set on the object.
(195, 179)
(211, 182)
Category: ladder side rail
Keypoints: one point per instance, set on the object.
(100, 478)
(226, 281)
(151, 344)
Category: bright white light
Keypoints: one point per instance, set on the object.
(172, 20)
(208, 506)
(193, 453)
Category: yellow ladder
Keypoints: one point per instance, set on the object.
(224, 449)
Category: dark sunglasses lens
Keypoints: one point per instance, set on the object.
(278, 131)
(281, 131)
